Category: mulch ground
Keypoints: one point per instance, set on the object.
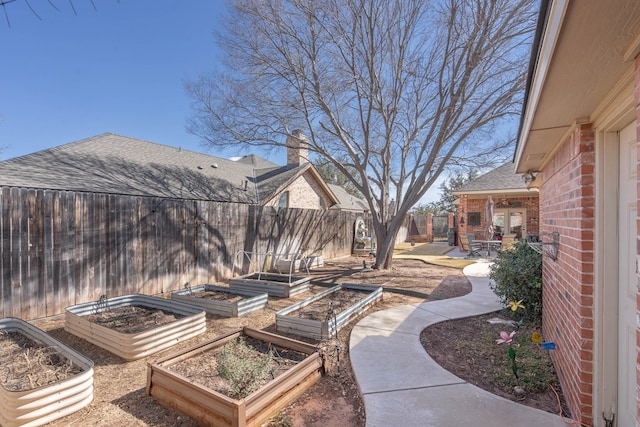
(26, 364)
(132, 318)
(119, 394)
(467, 348)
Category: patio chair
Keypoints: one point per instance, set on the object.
(474, 246)
(508, 240)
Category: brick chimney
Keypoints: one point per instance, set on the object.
(297, 148)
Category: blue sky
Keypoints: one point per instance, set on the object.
(117, 68)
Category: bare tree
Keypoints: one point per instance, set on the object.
(4, 3)
(391, 92)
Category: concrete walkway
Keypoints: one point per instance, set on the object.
(403, 386)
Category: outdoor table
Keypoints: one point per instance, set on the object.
(489, 244)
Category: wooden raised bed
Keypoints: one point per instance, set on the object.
(133, 346)
(41, 405)
(211, 408)
(226, 308)
(288, 321)
(277, 285)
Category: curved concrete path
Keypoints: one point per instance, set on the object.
(403, 386)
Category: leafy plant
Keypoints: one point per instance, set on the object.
(508, 339)
(530, 366)
(243, 367)
(517, 276)
(280, 421)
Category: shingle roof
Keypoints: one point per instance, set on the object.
(118, 164)
(500, 179)
(347, 201)
(270, 180)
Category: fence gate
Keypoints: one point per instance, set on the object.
(440, 228)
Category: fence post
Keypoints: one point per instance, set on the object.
(429, 227)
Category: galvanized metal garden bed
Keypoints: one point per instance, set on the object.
(287, 321)
(41, 405)
(252, 301)
(278, 285)
(211, 408)
(134, 346)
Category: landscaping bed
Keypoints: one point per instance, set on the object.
(134, 326)
(475, 357)
(120, 398)
(193, 381)
(323, 315)
(274, 284)
(226, 302)
(42, 379)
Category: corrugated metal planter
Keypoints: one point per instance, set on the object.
(288, 321)
(252, 301)
(211, 408)
(300, 264)
(277, 285)
(41, 405)
(141, 344)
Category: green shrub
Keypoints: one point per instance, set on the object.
(243, 367)
(517, 276)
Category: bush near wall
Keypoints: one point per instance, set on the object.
(517, 276)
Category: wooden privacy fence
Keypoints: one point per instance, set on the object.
(62, 248)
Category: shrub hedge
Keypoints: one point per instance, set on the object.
(517, 276)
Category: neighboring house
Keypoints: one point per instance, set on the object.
(515, 207)
(579, 138)
(347, 202)
(117, 164)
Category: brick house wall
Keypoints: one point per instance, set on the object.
(567, 203)
(304, 193)
(468, 204)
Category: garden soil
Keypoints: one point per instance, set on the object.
(119, 394)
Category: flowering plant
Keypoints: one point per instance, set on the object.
(505, 337)
(515, 305)
(508, 339)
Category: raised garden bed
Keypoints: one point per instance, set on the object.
(213, 408)
(321, 316)
(135, 326)
(42, 379)
(298, 264)
(226, 302)
(277, 285)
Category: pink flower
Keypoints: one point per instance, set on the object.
(505, 337)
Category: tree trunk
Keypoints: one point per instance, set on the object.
(385, 243)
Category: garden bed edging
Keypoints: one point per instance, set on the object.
(211, 408)
(141, 344)
(42, 405)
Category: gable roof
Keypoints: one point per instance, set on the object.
(346, 201)
(501, 179)
(118, 164)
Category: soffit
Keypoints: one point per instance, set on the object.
(590, 56)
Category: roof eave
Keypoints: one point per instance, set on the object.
(583, 60)
(507, 192)
(550, 22)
